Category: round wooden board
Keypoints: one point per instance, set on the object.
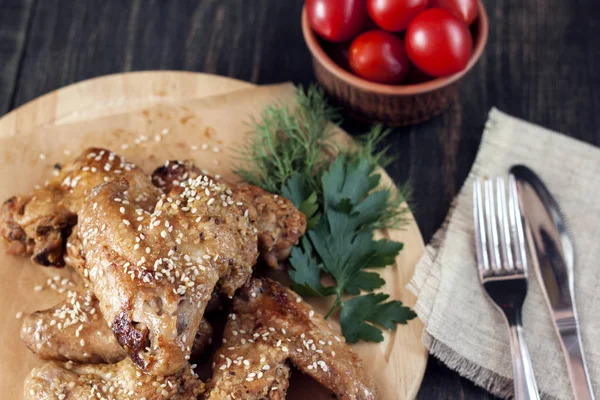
(401, 359)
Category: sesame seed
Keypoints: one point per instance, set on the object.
(19, 315)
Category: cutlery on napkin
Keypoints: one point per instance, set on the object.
(469, 335)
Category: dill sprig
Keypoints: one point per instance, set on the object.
(338, 188)
(290, 139)
(297, 139)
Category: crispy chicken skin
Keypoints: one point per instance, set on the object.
(154, 273)
(279, 223)
(75, 330)
(269, 325)
(122, 381)
(38, 224)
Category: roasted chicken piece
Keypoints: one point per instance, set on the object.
(39, 224)
(75, 330)
(154, 273)
(269, 325)
(279, 223)
(122, 381)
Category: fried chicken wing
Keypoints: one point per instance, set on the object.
(122, 381)
(279, 223)
(269, 325)
(39, 224)
(248, 367)
(75, 330)
(154, 273)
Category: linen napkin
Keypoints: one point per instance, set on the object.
(462, 328)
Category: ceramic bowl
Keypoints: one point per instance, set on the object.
(393, 105)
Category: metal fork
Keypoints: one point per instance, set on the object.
(502, 264)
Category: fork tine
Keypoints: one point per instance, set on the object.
(516, 225)
(492, 229)
(505, 242)
(480, 237)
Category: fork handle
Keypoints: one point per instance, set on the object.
(525, 386)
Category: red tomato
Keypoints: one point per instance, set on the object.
(337, 20)
(466, 9)
(438, 42)
(395, 15)
(379, 56)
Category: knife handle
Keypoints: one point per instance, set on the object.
(570, 341)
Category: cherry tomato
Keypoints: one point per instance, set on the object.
(466, 9)
(379, 56)
(438, 42)
(395, 15)
(337, 20)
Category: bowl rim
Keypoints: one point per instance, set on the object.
(417, 88)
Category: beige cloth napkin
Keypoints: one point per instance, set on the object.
(462, 328)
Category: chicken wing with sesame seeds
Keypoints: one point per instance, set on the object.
(154, 273)
(39, 223)
(279, 223)
(248, 367)
(271, 324)
(122, 381)
(75, 330)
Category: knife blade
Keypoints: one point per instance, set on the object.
(553, 257)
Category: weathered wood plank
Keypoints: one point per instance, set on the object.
(15, 16)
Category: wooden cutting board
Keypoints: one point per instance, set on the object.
(151, 117)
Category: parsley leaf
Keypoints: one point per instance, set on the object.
(305, 271)
(363, 280)
(293, 153)
(361, 314)
(299, 193)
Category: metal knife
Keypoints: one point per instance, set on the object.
(553, 257)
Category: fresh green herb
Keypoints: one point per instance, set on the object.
(291, 140)
(339, 191)
(370, 308)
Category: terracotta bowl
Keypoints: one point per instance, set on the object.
(394, 105)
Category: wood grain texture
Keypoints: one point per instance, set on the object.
(15, 16)
(540, 64)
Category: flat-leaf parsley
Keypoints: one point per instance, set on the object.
(339, 191)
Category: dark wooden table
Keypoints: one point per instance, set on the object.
(540, 64)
